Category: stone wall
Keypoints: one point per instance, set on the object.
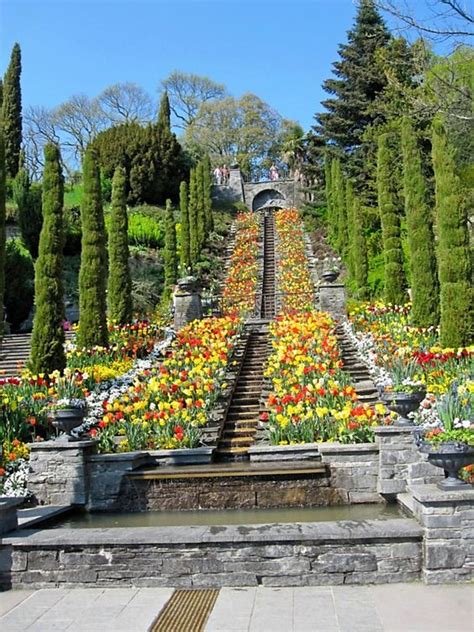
(353, 469)
(269, 555)
(332, 299)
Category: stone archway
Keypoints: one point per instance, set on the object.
(268, 198)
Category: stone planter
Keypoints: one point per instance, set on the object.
(403, 404)
(301, 452)
(182, 456)
(451, 457)
(329, 276)
(66, 419)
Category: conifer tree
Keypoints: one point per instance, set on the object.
(119, 293)
(1, 95)
(207, 186)
(359, 251)
(394, 277)
(170, 255)
(28, 201)
(194, 249)
(349, 203)
(93, 271)
(201, 210)
(337, 199)
(185, 245)
(11, 112)
(328, 186)
(2, 226)
(169, 155)
(424, 284)
(455, 264)
(47, 341)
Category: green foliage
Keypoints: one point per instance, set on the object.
(92, 277)
(72, 230)
(207, 194)
(359, 250)
(19, 292)
(120, 282)
(27, 197)
(73, 196)
(455, 265)
(11, 113)
(193, 218)
(145, 230)
(201, 217)
(47, 341)
(349, 206)
(170, 253)
(424, 285)
(184, 234)
(394, 280)
(2, 223)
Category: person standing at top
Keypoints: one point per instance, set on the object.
(225, 174)
(217, 173)
(274, 175)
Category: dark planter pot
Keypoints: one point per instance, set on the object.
(329, 275)
(403, 404)
(66, 419)
(451, 456)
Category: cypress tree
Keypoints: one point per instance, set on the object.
(424, 284)
(338, 213)
(2, 226)
(207, 185)
(11, 112)
(28, 201)
(119, 295)
(185, 245)
(1, 94)
(328, 186)
(93, 271)
(201, 211)
(169, 155)
(394, 276)
(455, 266)
(47, 341)
(170, 256)
(359, 250)
(349, 202)
(193, 219)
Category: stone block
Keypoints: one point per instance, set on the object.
(441, 555)
(344, 562)
(43, 560)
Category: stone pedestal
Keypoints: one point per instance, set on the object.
(8, 516)
(187, 302)
(332, 299)
(58, 473)
(448, 520)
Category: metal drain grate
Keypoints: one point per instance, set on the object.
(186, 611)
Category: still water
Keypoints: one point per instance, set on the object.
(230, 516)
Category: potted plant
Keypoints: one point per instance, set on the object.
(331, 269)
(446, 434)
(403, 392)
(68, 409)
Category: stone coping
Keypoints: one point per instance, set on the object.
(344, 531)
(388, 430)
(62, 445)
(431, 494)
(7, 502)
(118, 456)
(296, 447)
(347, 448)
(181, 452)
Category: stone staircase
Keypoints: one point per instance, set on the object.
(241, 422)
(15, 351)
(268, 287)
(358, 371)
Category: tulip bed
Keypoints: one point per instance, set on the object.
(168, 405)
(240, 288)
(312, 398)
(294, 280)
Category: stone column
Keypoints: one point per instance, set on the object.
(58, 473)
(187, 302)
(448, 520)
(332, 299)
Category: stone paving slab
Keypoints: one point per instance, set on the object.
(385, 608)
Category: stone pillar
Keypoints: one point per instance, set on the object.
(400, 461)
(58, 473)
(332, 299)
(236, 183)
(187, 302)
(8, 516)
(448, 520)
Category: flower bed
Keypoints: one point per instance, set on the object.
(241, 283)
(168, 405)
(312, 399)
(293, 278)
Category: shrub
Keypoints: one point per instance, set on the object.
(145, 231)
(72, 230)
(19, 291)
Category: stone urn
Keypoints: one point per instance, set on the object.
(187, 302)
(403, 403)
(451, 456)
(67, 419)
(329, 276)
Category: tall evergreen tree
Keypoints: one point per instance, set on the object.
(47, 341)
(170, 160)
(359, 80)
(201, 210)
(359, 250)
(424, 284)
(93, 271)
(194, 249)
(119, 294)
(1, 95)
(170, 254)
(2, 226)
(185, 245)
(328, 186)
(454, 256)
(207, 189)
(28, 201)
(11, 112)
(349, 202)
(394, 276)
(337, 204)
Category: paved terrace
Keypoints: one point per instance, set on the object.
(386, 608)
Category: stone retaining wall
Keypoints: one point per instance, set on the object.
(269, 555)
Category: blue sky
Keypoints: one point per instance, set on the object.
(280, 50)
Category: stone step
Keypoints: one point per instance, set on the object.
(236, 441)
(232, 451)
(240, 430)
